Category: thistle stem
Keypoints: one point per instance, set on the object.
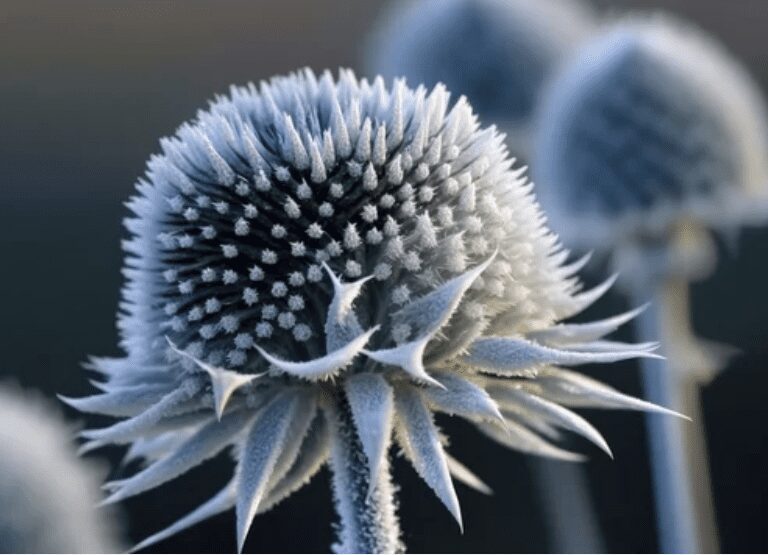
(679, 459)
(368, 522)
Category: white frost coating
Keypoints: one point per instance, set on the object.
(341, 324)
(225, 382)
(517, 400)
(201, 446)
(324, 367)
(576, 390)
(567, 334)
(509, 357)
(300, 424)
(520, 438)
(127, 430)
(313, 455)
(408, 357)
(423, 448)
(459, 396)
(430, 313)
(120, 402)
(261, 451)
(371, 400)
(232, 231)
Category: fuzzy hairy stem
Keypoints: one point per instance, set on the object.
(679, 459)
(368, 520)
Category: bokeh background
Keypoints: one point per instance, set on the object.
(86, 91)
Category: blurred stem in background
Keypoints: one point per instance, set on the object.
(569, 512)
(679, 458)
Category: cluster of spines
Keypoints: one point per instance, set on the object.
(249, 222)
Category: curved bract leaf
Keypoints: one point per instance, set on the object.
(603, 346)
(201, 446)
(222, 501)
(124, 401)
(409, 357)
(520, 401)
(150, 449)
(421, 443)
(462, 397)
(371, 400)
(304, 414)
(508, 357)
(323, 367)
(570, 334)
(429, 313)
(466, 476)
(520, 438)
(575, 390)
(127, 430)
(260, 454)
(313, 455)
(582, 301)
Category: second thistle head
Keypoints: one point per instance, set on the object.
(651, 127)
(499, 53)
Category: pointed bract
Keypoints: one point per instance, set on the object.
(421, 443)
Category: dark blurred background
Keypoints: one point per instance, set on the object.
(86, 91)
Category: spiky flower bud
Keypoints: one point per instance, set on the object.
(499, 53)
(47, 494)
(652, 124)
(314, 264)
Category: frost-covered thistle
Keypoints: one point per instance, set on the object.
(314, 267)
(499, 53)
(47, 494)
(651, 137)
(651, 124)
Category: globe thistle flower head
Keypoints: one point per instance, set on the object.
(47, 493)
(499, 53)
(651, 125)
(315, 265)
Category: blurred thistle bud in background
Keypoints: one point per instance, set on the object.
(651, 132)
(315, 266)
(650, 137)
(47, 494)
(499, 53)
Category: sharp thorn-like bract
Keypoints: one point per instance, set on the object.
(224, 382)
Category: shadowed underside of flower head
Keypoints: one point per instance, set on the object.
(313, 249)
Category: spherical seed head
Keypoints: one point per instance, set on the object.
(651, 124)
(391, 258)
(268, 148)
(499, 53)
(48, 494)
